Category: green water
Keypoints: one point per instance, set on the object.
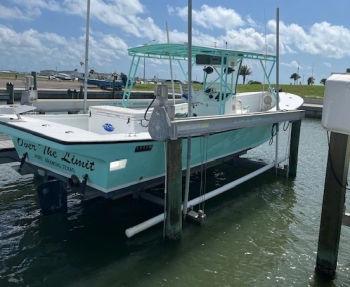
(263, 233)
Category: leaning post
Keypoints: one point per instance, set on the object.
(333, 204)
(294, 148)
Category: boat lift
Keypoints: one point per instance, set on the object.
(163, 127)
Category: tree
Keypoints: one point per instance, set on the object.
(295, 77)
(310, 81)
(323, 81)
(244, 71)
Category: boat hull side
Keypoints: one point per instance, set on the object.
(139, 161)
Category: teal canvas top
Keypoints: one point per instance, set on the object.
(179, 51)
(225, 60)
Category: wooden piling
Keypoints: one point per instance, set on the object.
(81, 93)
(11, 92)
(35, 85)
(294, 148)
(173, 220)
(333, 205)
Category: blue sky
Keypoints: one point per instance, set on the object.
(43, 34)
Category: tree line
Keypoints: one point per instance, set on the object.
(245, 71)
(310, 80)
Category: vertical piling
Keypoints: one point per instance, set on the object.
(294, 148)
(35, 86)
(333, 205)
(173, 221)
(11, 93)
(173, 195)
(81, 93)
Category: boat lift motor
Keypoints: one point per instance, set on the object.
(336, 104)
(162, 114)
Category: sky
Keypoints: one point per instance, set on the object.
(50, 34)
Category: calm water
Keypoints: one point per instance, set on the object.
(262, 234)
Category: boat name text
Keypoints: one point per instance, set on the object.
(69, 158)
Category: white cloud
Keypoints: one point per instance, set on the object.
(327, 64)
(11, 13)
(293, 64)
(211, 17)
(320, 39)
(28, 9)
(35, 49)
(251, 22)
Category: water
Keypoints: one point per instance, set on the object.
(262, 234)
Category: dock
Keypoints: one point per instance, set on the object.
(312, 110)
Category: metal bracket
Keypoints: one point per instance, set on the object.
(83, 184)
(23, 160)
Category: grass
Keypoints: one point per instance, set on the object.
(316, 91)
(11, 75)
(305, 91)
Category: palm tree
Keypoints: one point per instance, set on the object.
(295, 77)
(323, 81)
(310, 81)
(244, 71)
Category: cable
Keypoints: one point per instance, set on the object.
(145, 114)
(285, 128)
(332, 169)
(273, 133)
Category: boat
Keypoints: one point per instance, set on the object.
(106, 84)
(109, 148)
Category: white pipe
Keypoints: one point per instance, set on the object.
(86, 54)
(130, 232)
(189, 114)
(171, 64)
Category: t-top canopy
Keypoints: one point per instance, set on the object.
(179, 52)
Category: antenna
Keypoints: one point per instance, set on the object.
(171, 64)
(86, 54)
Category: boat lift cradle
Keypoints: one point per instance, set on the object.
(171, 130)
